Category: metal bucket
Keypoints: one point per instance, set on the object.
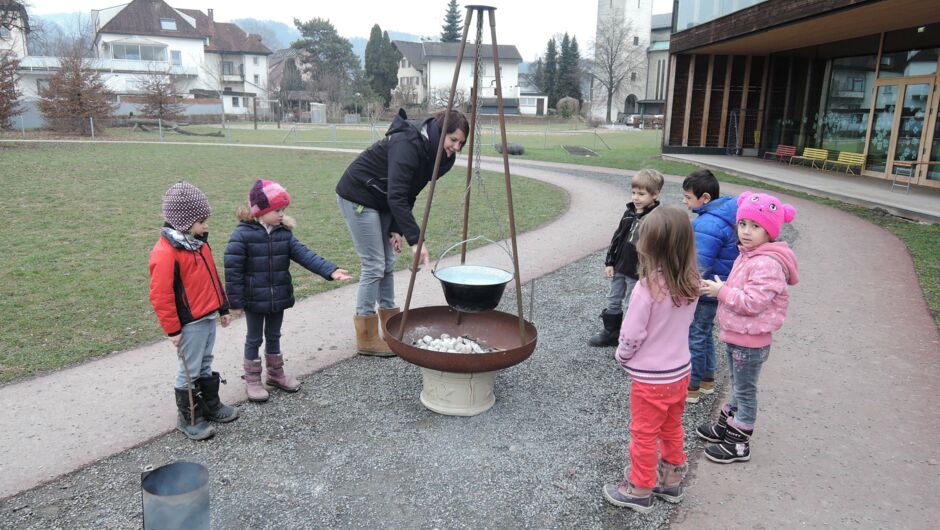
(473, 288)
(176, 496)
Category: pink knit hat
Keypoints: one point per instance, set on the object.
(266, 196)
(765, 210)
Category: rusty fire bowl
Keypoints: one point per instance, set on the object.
(494, 328)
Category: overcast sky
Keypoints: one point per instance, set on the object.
(528, 24)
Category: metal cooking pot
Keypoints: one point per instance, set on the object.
(472, 288)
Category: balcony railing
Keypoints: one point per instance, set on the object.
(39, 64)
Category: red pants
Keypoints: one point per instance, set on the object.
(656, 423)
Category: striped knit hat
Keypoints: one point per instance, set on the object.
(266, 196)
(184, 204)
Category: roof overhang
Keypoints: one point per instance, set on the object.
(738, 34)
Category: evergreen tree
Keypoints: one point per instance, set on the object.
(551, 71)
(452, 31)
(381, 64)
(562, 76)
(329, 59)
(574, 73)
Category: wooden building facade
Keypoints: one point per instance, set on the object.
(854, 76)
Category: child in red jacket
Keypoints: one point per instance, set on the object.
(188, 297)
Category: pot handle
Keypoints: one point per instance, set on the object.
(438, 262)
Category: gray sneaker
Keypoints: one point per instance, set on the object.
(642, 504)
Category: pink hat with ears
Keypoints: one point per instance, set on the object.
(266, 196)
(765, 210)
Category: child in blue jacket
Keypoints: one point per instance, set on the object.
(258, 280)
(716, 242)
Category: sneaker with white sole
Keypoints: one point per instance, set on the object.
(693, 395)
(707, 386)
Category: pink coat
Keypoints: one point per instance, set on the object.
(752, 304)
(654, 337)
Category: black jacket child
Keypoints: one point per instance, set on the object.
(389, 175)
(622, 255)
(257, 275)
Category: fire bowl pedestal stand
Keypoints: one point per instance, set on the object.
(455, 383)
(460, 384)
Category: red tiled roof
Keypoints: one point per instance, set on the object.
(226, 37)
(142, 17)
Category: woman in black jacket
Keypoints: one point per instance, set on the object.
(376, 195)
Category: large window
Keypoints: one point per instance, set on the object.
(694, 12)
(176, 57)
(137, 52)
(228, 68)
(845, 119)
(168, 24)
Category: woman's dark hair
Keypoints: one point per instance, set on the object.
(455, 121)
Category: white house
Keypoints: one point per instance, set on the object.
(207, 58)
(13, 38)
(429, 67)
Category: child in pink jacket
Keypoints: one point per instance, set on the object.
(654, 350)
(752, 304)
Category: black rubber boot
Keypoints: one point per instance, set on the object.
(736, 446)
(213, 408)
(715, 433)
(611, 334)
(198, 429)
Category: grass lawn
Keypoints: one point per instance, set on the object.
(82, 220)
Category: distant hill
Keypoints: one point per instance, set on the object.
(275, 35)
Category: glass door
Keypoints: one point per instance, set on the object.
(899, 129)
(909, 146)
(882, 124)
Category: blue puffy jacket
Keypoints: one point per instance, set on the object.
(716, 237)
(257, 275)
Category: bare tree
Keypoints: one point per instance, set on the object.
(615, 56)
(404, 95)
(440, 97)
(76, 93)
(214, 76)
(52, 40)
(161, 96)
(8, 91)
(13, 16)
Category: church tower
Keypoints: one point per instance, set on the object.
(630, 19)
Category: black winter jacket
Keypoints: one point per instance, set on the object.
(389, 175)
(622, 255)
(257, 275)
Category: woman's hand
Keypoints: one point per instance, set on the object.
(395, 240)
(225, 320)
(711, 288)
(609, 272)
(425, 260)
(341, 275)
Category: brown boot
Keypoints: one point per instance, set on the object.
(276, 376)
(252, 377)
(368, 341)
(384, 315)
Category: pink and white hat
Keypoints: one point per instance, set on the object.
(266, 196)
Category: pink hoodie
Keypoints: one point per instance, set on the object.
(654, 337)
(752, 304)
